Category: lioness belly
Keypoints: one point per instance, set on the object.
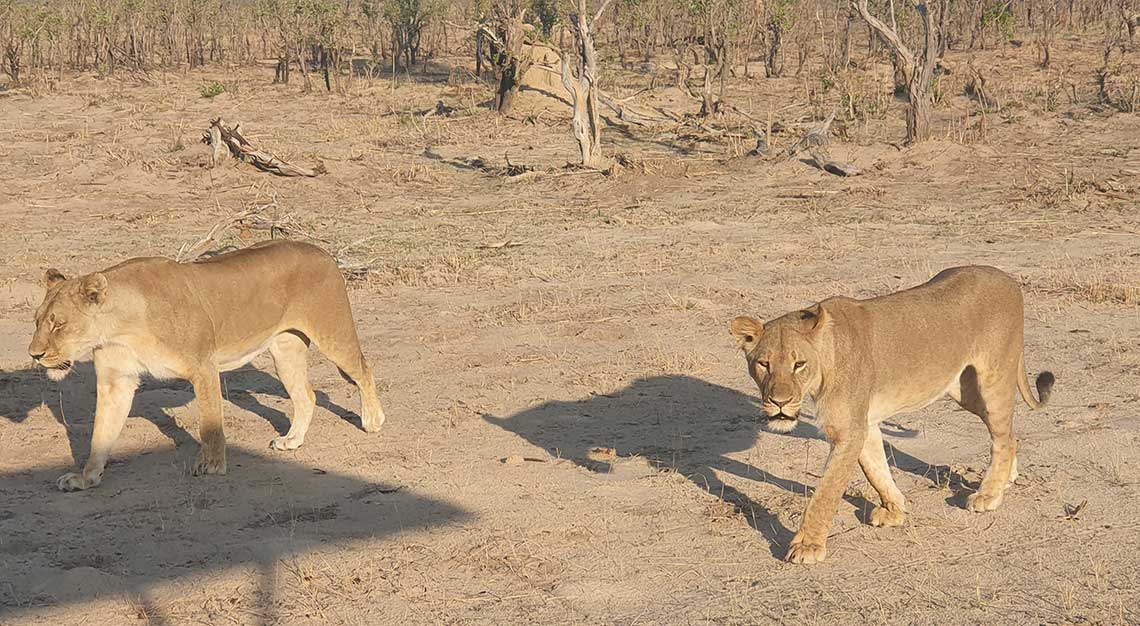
(241, 355)
(886, 403)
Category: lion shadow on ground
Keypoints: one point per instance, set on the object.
(72, 402)
(151, 528)
(690, 426)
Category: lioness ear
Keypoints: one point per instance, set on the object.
(95, 288)
(747, 331)
(52, 278)
(814, 317)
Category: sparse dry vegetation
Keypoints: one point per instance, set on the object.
(572, 437)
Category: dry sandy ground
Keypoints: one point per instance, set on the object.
(597, 350)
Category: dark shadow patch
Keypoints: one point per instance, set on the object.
(72, 402)
(119, 536)
(687, 425)
(677, 423)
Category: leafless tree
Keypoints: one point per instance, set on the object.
(506, 36)
(1130, 15)
(580, 77)
(780, 16)
(1046, 29)
(917, 69)
(710, 39)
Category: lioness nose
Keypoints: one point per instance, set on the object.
(779, 403)
(36, 355)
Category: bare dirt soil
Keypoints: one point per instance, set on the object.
(571, 433)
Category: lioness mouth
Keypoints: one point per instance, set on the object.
(781, 423)
(58, 371)
(61, 366)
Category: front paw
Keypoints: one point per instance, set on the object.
(890, 515)
(209, 463)
(802, 551)
(286, 443)
(371, 421)
(77, 482)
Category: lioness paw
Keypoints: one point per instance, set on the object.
(980, 503)
(888, 516)
(372, 420)
(209, 464)
(286, 443)
(76, 482)
(807, 553)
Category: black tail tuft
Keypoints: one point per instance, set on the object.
(1045, 382)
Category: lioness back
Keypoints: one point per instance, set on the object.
(932, 331)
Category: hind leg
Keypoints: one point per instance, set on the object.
(356, 369)
(290, 354)
(343, 349)
(208, 394)
(873, 460)
(990, 396)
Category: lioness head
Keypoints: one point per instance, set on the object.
(66, 321)
(784, 359)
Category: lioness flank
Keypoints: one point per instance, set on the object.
(861, 361)
(194, 320)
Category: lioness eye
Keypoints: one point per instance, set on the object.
(800, 365)
(763, 364)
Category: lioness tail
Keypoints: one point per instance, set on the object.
(1044, 385)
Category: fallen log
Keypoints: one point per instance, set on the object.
(815, 143)
(228, 140)
(824, 162)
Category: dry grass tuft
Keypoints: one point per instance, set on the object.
(1094, 285)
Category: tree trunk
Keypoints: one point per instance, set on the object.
(773, 65)
(918, 114)
(511, 62)
(845, 46)
(281, 74)
(583, 90)
(304, 71)
(508, 89)
(708, 103)
(479, 53)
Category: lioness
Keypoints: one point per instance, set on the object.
(192, 321)
(861, 361)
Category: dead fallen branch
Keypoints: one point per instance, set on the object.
(824, 162)
(624, 111)
(815, 143)
(266, 218)
(627, 113)
(509, 243)
(815, 137)
(514, 172)
(225, 140)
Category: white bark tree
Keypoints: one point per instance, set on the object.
(580, 77)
